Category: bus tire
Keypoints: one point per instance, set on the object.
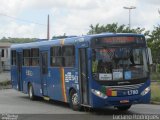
(124, 108)
(31, 92)
(73, 100)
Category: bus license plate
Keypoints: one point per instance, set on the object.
(124, 101)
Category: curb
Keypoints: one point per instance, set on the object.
(155, 102)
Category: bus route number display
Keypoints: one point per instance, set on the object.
(119, 40)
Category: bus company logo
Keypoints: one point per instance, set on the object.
(70, 77)
(29, 73)
(126, 82)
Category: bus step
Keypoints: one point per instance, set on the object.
(85, 105)
(46, 98)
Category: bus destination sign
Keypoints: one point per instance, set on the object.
(118, 41)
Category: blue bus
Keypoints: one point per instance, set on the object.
(94, 71)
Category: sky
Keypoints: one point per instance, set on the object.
(28, 18)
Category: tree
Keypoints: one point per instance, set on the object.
(17, 40)
(59, 37)
(154, 43)
(115, 28)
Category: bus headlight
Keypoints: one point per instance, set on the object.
(145, 91)
(99, 94)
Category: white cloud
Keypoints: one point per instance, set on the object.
(11, 6)
(70, 4)
(152, 2)
(16, 30)
(74, 17)
(78, 21)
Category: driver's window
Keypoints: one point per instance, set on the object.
(137, 55)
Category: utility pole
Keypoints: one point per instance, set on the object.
(48, 29)
(0, 61)
(129, 8)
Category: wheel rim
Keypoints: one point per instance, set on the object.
(30, 92)
(75, 99)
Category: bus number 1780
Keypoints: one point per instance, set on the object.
(132, 92)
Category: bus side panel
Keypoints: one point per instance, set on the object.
(90, 75)
(14, 77)
(32, 75)
(36, 80)
(71, 81)
(54, 84)
(60, 82)
(25, 78)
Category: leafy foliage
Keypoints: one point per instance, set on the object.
(154, 43)
(17, 40)
(115, 28)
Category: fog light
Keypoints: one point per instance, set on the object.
(145, 91)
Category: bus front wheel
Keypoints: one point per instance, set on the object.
(74, 101)
(123, 108)
(31, 92)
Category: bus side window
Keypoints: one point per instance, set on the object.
(13, 57)
(35, 57)
(68, 55)
(56, 56)
(26, 57)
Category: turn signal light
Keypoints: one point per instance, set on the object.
(110, 92)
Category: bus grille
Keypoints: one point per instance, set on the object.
(125, 87)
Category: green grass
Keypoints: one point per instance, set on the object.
(155, 76)
(5, 83)
(155, 92)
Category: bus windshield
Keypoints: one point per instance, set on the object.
(119, 63)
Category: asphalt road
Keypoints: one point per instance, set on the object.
(14, 102)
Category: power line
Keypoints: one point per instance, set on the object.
(18, 19)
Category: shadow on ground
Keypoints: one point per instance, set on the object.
(107, 111)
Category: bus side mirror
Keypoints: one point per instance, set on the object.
(150, 56)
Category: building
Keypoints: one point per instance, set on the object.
(5, 56)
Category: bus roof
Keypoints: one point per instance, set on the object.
(68, 41)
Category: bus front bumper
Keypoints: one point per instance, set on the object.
(120, 101)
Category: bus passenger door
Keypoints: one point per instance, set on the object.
(44, 72)
(19, 71)
(83, 76)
